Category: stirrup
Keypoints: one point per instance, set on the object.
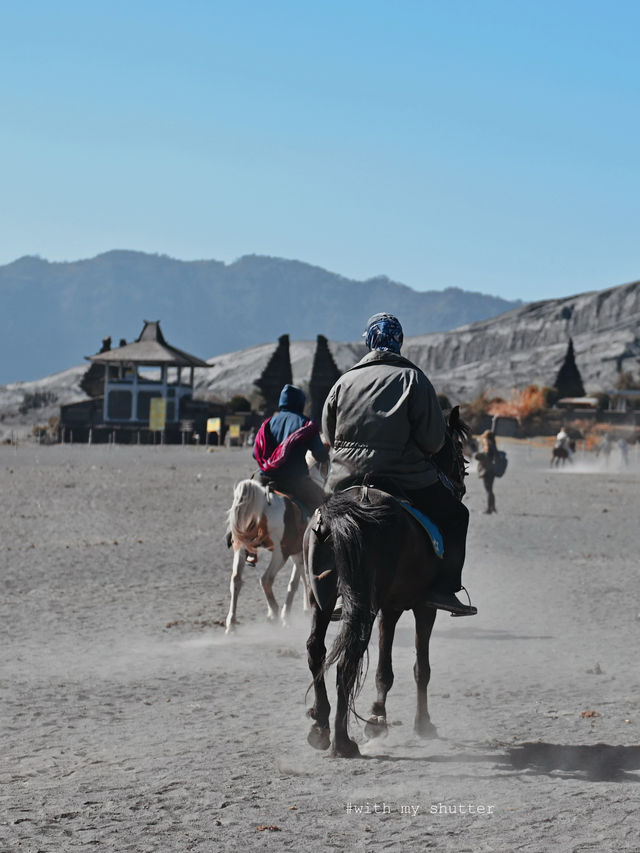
(458, 615)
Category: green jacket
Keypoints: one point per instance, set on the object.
(383, 418)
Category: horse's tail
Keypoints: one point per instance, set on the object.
(246, 514)
(355, 532)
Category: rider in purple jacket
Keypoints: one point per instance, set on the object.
(281, 446)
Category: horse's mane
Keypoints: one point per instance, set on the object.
(450, 458)
(245, 514)
(458, 429)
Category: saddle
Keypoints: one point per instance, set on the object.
(430, 527)
(300, 507)
(323, 584)
(296, 518)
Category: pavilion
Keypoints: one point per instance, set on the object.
(126, 379)
(136, 373)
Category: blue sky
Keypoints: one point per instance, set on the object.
(479, 144)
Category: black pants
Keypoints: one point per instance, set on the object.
(452, 517)
(303, 489)
(487, 480)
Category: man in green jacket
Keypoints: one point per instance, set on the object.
(382, 419)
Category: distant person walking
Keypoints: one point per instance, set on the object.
(605, 447)
(623, 447)
(487, 458)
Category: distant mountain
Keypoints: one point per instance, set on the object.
(53, 314)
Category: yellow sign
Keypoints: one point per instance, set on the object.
(234, 430)
(157, 413)
(213, 425)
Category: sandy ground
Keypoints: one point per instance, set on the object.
(130, 722)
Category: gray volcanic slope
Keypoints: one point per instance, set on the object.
(528, 344)
(523, 346)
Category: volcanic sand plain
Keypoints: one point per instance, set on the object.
(131, 722)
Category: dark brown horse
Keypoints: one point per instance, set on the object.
(560, 454)
(381, 563)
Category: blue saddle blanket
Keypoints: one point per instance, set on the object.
(432, 530)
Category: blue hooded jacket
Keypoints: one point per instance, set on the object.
(287, 420)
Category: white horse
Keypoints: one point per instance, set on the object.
(260, 518)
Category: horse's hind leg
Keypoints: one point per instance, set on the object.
(356, 639)
(425, 618)
(294, 581)
(343, 745)
(319, 736)
(377, 722)
(276, 562)
(239, 557)
(306, 600)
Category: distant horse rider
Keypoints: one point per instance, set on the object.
(563, 442)
(486, 467)
(383, 422)
(281, 445)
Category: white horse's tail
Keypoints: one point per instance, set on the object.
(247, 519)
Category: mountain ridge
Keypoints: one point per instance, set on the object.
(206, 307)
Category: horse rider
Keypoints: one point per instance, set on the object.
(563, 441)
(383, 422)
(281, 445)
(486, 467)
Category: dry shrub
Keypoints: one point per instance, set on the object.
(591, 441)
(522, 405)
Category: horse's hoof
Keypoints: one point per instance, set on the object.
(231, 626)
(425, 728)
(284, 618)
(376, 727)
(345, 749)
(318, 737)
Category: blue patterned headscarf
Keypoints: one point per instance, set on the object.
(384, 333)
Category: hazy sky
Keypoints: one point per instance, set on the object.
(487, 145)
